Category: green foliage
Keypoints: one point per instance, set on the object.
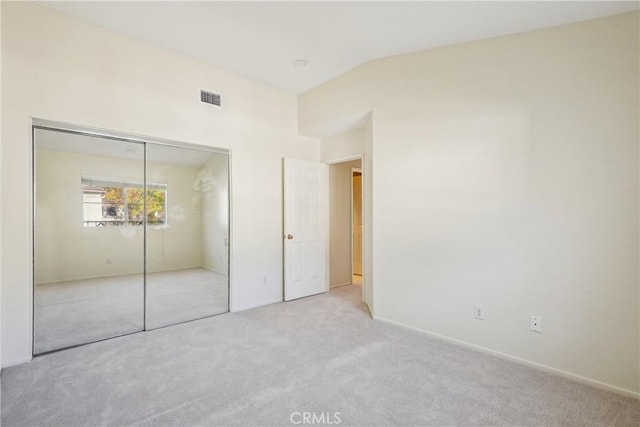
(112, 195)
(135, 203)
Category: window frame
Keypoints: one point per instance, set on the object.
(125, 184)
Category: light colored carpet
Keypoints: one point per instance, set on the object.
(178, 296)
(81, 311)
(320, 354)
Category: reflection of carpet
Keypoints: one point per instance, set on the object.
(81, 311)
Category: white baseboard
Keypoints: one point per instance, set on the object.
(366, 304)
(16, 362)
(213, 271)
(341, 284)
(249, 307)
(565, 374)
(135, 273)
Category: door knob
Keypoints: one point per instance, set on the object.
(289, 236)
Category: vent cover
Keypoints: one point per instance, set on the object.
(210, 98)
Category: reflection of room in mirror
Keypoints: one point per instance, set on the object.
(94, 197)
(194, 239)
(79, 311)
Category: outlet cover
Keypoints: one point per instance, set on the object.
(535, 323)
(478, 312)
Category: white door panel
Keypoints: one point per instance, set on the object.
(305, 225)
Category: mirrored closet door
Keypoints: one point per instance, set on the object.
(88, 239)
(129, 235)
(187, 246)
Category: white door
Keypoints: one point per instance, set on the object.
(306, 220)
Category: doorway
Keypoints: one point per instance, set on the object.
(130, 234)
(356, 225)
(345, 224)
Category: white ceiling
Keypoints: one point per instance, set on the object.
(103, 147)
(261, 40)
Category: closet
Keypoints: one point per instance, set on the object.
(130, 234)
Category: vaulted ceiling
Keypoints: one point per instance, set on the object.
(263, 40)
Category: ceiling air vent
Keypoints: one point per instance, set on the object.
(210, 98)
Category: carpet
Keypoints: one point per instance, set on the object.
(320, 357)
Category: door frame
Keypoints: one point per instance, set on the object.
(362, 220)
(365, 237)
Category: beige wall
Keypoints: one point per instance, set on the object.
(1, 364)
(215, 215)
(66, 250)
(343, 146)
(356, 142)
(340, 222)
(505, 172)
(57, 68)
(178, 245)
(368, 196)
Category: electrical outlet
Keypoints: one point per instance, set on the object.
(108, 260)
(535, 323)
(478, 312)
